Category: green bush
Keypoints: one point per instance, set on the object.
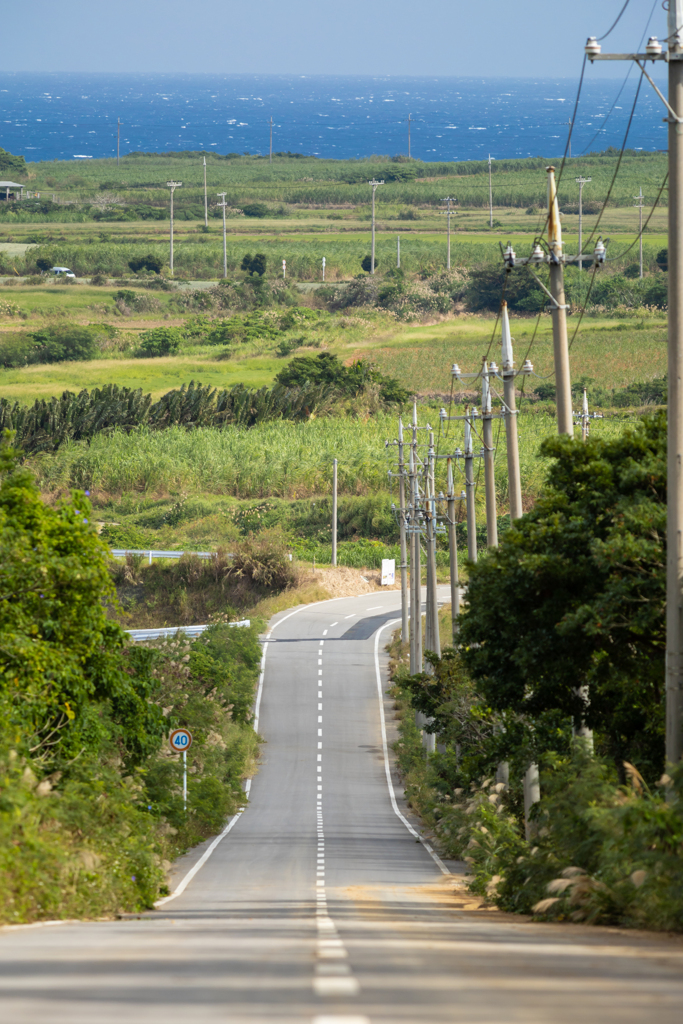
(150, 262)
(160, 341)
(256, 210)
(63, 342)
(255, 264)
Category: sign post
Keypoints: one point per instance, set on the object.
(180, 741)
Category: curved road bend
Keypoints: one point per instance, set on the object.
(320, 906)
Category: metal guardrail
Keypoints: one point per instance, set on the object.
(151, 553)
(190, 631)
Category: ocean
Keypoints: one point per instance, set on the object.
(74, 116)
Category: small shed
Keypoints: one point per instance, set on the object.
(13, 186)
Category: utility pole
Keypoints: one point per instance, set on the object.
(173, 185)
(225, 250)
(409, 156)
(581, 182)
(433, 639)
(206, 202)
(118, 139)
(398, 250)
(569, 140)
(270, 158)
(453, 552)
(674, 529)
(405, 633)
(334, 512)
(374, 189)
(490, 195)
(585, 417)
(324, 261)
(284, 269)
(415, 560)
(510, 412)
(565, 423)
(489, 457)
(448, 212)
(469, 488)
(639, 207)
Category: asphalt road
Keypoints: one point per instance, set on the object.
(320, 905)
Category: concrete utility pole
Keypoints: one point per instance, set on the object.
(453, 552)
(433, 639)
(374, 189)
(490, 195)
(225, 249)
(469, 488)
(334, 512)
(206, 201)
(569, 140)
(510, 412)
(639, 206)
(489, 457)
(581, 182)
(409, 156)
(448, 212)
(270, 158)
(398, 250)
(565, 422)
(405, 631)
(415, 560)
(173, 185)
(324, 261)
(284, 269)
(118, 139)
(674, 531)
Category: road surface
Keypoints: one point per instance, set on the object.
(319, 904)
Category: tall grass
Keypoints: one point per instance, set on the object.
(282, 459)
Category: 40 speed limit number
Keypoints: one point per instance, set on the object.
(180, 740)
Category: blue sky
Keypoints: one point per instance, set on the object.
(514, 38)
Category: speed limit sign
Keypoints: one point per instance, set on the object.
(180, 740)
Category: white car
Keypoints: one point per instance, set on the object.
(62, 272)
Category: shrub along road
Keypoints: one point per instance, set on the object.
(319, 904)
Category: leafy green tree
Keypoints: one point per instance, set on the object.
(254, 264)
(366, 264)
(63, 342)
(255, 210)
(574, 597)
(149, 262)
(159, 341)
(68, 682)
(327, 369)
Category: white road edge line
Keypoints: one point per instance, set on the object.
(392, 795)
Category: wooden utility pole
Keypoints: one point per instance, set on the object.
(510, 412)
(223, 204)
(489, 459)
(405, 632)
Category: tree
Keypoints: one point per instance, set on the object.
(160, 341)
(149, 262)
(366, 264)
(574, 596)
(63, 342)
(254, 264)
(67, 682)
(255, 210)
